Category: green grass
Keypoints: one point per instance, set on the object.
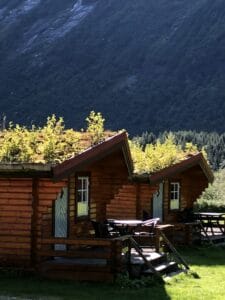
(207, 263)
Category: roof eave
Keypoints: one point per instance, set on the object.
(25, 170)
(94, 154)
(183, 166)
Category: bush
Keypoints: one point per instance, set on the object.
(213, 198)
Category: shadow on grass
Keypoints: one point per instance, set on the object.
(33, 287)
(204, 255)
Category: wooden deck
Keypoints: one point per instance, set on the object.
(88, 259)
(103, 259)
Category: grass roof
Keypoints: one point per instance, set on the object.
(52, 143)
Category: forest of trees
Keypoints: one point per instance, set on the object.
(213, 143)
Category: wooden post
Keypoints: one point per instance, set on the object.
(157, 239)
(138, 204)
(129, 259)
(34, 220)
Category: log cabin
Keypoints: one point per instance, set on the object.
(179, 186)
(45, 208)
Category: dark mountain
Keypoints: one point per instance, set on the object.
(145, 64)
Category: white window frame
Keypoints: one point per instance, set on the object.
(83, 205)
(174, 195)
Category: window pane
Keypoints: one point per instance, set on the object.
(82, 209)
(79, 184)
(79, 196)
(174, 204)
(82, 196)
(174, 195)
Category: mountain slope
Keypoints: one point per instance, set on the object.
(145, 64)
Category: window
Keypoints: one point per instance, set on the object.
(174, 195)
(82, 196)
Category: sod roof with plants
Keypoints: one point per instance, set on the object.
(53, 143)
(157, 156)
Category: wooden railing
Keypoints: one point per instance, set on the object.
(80, 248)
(129, 242)
(172, 250)
(115, 252)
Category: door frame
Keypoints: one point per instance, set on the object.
(67, 214)
(152, 206)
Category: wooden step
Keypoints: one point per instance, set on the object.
(164, 268)
(172, 274)
(154, 258)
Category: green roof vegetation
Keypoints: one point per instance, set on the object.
(154, 157)
(53, 143)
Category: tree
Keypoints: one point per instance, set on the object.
(95, 127)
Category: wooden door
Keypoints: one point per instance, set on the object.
(61, 217)
(157, 211)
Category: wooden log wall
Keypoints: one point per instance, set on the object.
(193, 183)
(146, 193)
(131, 200)
(123, 205)
(15, 221)
(25, 215)
(48, 192)
(106, 178)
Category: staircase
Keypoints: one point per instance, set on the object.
(145, 261)
(159, 262)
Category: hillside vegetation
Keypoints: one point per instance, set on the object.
(145, 64)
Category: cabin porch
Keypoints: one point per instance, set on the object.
(98, 259)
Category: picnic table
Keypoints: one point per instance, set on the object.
(129, 226)
(212, 220)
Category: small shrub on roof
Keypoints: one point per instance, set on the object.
(95, 127)
(155, 157)
(48, 144)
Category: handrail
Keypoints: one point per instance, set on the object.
(147, 262)
(174, 250)
(134, 244)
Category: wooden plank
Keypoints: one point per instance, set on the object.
(18, 233)
(13, 245)
(16, 214)
(76, 242)
(76, 254)
(34, 220)
(6, 227)
(15, 189)
(16, 184)
(15, 202)
(47, 197)
(15, 195)
(17, 208)
(14, 251)
(14, 239)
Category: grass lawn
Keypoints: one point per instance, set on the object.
(208, 263)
